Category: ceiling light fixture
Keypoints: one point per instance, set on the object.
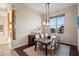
(47, 14)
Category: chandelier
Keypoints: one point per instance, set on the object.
(47, 14)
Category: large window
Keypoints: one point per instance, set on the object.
(57, 24)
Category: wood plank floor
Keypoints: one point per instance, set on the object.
(20, 50)
(73, 50)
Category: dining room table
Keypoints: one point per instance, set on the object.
(44, 41)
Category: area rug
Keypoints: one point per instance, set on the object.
(63, 50)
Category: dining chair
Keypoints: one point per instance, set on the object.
(37, 36)
(52, 46)
(46, 35)
(39, 45)
(57, 41)
(42, 35)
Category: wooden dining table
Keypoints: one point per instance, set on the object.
(43, 41)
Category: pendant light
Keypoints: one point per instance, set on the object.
(47, 14)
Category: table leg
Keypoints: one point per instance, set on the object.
(35, 45)
(46, 49)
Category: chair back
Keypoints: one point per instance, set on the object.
(37, 36)
(58, 38)
(53, 36)
(42, 35)
(46, 34)
(53, 41)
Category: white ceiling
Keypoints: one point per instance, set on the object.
(40, 7)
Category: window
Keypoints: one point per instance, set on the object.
(57, 24)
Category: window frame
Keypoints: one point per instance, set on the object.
(57, 16)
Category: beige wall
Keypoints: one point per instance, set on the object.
(26, 21)
(70, 29)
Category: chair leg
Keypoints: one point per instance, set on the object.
(51, 52)
(54, 51)
(40, 47)
(43, 51)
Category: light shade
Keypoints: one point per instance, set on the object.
(47, 14)
(44, 23)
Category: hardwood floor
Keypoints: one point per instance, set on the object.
(73, 50)
(14, 53)
(20, 50)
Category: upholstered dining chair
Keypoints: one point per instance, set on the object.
(57, 41)
(46, 35)
(39, 45)
(52, 46)
(37, 36)
(42, 35)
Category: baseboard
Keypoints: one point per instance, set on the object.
(19, 46)
(67, 44)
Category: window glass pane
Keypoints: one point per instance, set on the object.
(60, 29)
(52, 21)
(53, 29)
(60, 20)
(59, 25)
